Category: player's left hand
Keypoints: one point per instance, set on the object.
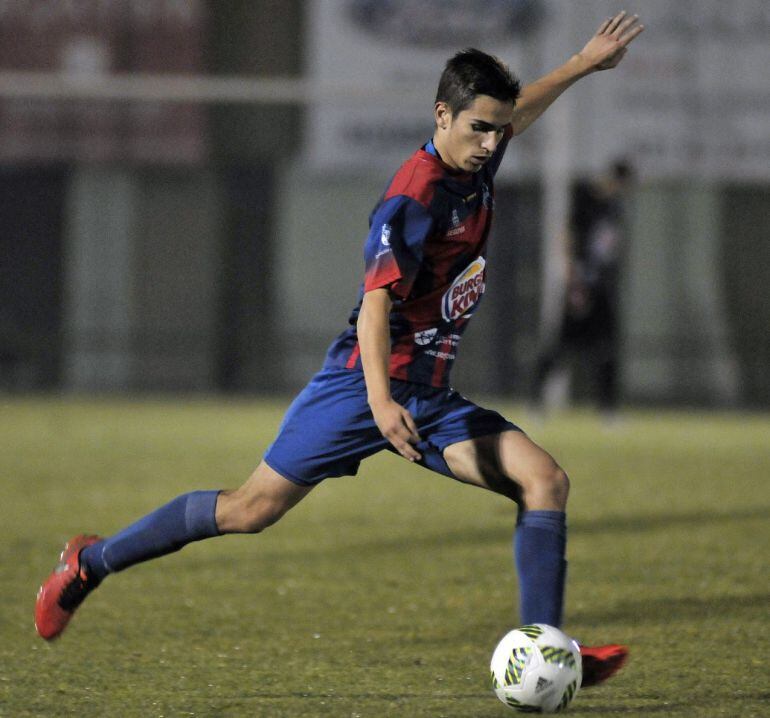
(397, 426)
(610, 43)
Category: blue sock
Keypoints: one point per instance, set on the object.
(187, 518)
(540, 545)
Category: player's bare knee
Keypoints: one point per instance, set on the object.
(260, 514)
(547, 489)
(560, 486)
(239, 512)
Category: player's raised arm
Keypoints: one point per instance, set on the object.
(602, 52)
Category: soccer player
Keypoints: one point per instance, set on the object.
(385, 381)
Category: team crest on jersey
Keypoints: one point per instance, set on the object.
(385, 235)
(457, 226)
(466, 290)
(426, 336)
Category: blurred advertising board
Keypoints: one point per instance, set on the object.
(692, 97)
(88, 40)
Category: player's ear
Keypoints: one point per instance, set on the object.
(442, 114)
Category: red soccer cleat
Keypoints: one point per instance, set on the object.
(601, 663)
(64, 590)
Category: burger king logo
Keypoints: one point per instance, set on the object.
(466, 290)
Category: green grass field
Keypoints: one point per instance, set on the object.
(384, 594)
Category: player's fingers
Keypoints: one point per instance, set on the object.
(627, 23)
(409, 452)
(615, 22)
(401, 439)
(412, 427)
(603, 27)
(631, 34)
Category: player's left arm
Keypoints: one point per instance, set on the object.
(602, 52)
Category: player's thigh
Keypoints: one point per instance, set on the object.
(509, 463)
(259, 502)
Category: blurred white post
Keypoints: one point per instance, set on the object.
(706, 299)
(556, 169)
(98, 304)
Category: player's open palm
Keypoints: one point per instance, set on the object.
(609, 45)
(397, 426)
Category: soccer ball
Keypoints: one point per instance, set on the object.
(536, 669)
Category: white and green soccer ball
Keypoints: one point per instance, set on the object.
(536, 669)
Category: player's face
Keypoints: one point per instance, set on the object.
(467, 140)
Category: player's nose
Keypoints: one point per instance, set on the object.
(489, 143)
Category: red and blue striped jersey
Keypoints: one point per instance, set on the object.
(426, 244)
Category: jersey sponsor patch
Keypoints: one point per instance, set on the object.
(425, 337)
(465, 292)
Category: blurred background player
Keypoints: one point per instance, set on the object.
(385, 382)
(588, 332)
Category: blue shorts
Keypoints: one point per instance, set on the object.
(328, 429)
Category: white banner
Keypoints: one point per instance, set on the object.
(691, 99)
(393, 52)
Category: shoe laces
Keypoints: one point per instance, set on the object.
(75, 591)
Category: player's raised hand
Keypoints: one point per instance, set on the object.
(397, 426)
(610, 43)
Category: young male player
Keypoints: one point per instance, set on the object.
(385, 382)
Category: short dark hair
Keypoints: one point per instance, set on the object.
(472, 72)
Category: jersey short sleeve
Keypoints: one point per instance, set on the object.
(394, 247)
